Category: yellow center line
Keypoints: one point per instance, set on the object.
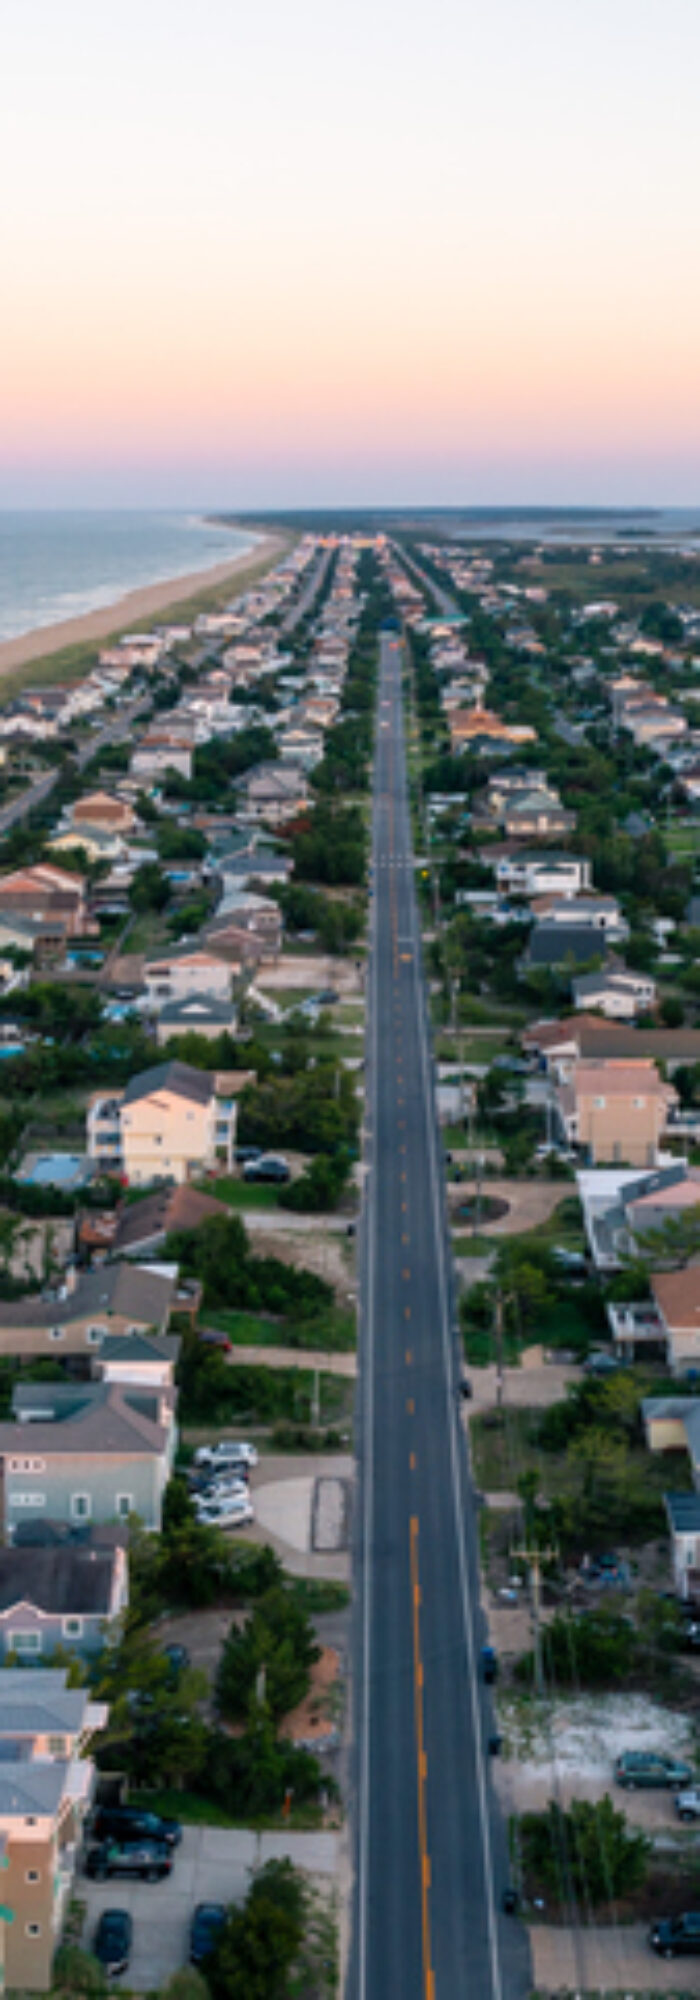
(421, 1765)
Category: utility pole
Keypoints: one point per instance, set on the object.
(534, 1558)
(498, 1337)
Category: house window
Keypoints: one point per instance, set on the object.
(27, 1499)
(27, 1465)
(57, 1333)
(57, 1746)
(32, 1875)
(599, 1103)
(125, 1504)
(639, 1103)
(95, 1335)
(25, 1642)
(33, 1930)
(81, 1506)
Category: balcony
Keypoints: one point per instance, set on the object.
(635, 1324)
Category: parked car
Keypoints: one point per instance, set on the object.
(672, 1935)
(150, 1860)
(225, 1452)
(130, 1823)
(572, 1261)
(207, 1920)
(112, 1941)
(687, 1803)
(269, 1167)
(244, 1154)
(233, 1512)
(650, 1768)
(602, 1364)
(489, 1664)
(210, 1336)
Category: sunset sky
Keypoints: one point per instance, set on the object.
(302, 253)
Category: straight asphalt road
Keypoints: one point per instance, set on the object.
(432, 1861)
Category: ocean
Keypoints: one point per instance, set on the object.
(59, 565)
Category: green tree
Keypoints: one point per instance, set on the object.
(150, 889)
(588, 1844)
(278, 1638)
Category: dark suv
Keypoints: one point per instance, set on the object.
(672, 1935)
(150, 1860)
(128, 1823)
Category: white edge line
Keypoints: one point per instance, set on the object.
(467, 1614)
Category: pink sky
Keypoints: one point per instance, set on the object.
(268, 256)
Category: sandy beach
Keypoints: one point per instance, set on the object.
(136, 607)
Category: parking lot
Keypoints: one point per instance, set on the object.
(213, 1865)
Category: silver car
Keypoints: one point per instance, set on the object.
(687, 1803)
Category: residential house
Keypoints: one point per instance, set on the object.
(615, 1111)
(472, 725)
(162, 749)
(140, 1360)
(140, 1228)
(65, 1597)
(676, 1296)
(199, 1014)
(54, 897)
(599, 913)
(47, 1781)
(554, 943)
(535, 874)
(100, 812)
(78, 1316)
(683, 1515)
(620, 995)
(241, 946)
(537, 812)
(247, 911)
(674, 1047)
(273, 796)
(171, 1122)
(621, 1205)
(81, 1452)
(177, 974)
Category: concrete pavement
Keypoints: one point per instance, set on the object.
(213, 1865)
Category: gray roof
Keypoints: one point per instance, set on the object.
(71, 1581)
(179, 1077)
(29, 1790)
(119, 1288)
(140, 1347)
(683, 1511)
(551, 944)
(197, 1007)
(36, 1701)
(92, 1419)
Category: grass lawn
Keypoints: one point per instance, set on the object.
(241, 1194)
(192, 1810)
(473, 1246)
(682, 839)
(331, 1332)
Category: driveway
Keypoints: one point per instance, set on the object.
(213, 1865)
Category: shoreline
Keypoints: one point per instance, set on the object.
(143, 604)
